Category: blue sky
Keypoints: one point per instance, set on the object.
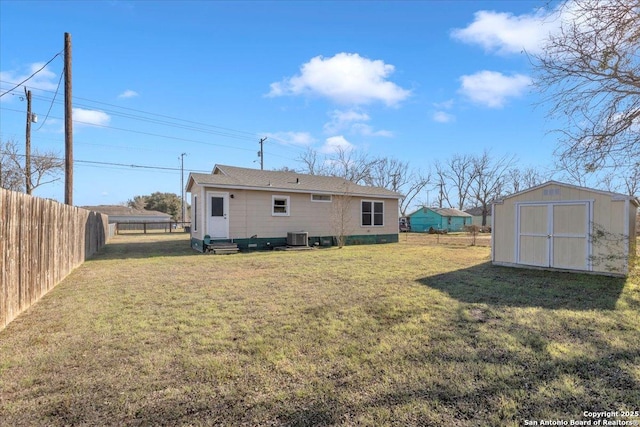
(417, 81)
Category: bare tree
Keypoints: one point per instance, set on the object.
(10, 176)
(309, 159)
(389, 173)
(341, 214)
(395, 175)
(589, 74)
(488, 180)
(518, 179)
(632, 180)
(442, 175)
(351, 165)
(571, 171)
(45, 167)
(344, 163)
(456, 175)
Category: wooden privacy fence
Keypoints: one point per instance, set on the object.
(41, 241)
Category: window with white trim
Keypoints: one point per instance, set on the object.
(280, 205)
(321, 197)
(372, 214)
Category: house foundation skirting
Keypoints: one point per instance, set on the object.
(266, 243)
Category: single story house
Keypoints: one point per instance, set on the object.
(476, 216)
(448, 219)
(258, 209)
(122, 214)
(563, 226)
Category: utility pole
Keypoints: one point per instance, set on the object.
(182, 185)
(68, 123)
(261, 152)
(27, 156)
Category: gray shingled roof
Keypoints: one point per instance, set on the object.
(450, 212)
(444, 211)
(477, 211)
(255, 179)
(117, 210)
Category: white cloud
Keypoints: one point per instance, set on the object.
(341, 120)
(352, 121)
(446, 105)
(366, 130)
(291, 138)
(505, 33)
(493, 89)
(346, 78)
(335, 144)
(90, 117)
(443, 117)
(45, 79)
(128, 94)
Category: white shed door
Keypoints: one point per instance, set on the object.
(533, 235)
(554, 235)
(217, 215)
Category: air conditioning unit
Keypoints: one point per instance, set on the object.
(299, 238)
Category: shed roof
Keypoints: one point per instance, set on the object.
(614, 196)
(233, 177)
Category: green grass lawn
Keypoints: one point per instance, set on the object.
(150, 332)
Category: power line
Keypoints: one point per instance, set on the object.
(200, 127)
(250, 136)
(52, 101)
(146, 133)
(31, 76)
(247, 135)
(93, 162)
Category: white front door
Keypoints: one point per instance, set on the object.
(217, 215)
(554, 234)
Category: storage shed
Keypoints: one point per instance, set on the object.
(563, 226)
(439, 219)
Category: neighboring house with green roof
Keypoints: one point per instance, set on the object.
(258, 209)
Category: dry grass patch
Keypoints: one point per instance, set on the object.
(152, 333)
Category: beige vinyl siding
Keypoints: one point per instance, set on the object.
(574, 223)
(611, 218)
(198, 231)
(503, 233)
(250, 213)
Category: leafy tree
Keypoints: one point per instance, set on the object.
(138, 202)
(163, 202)
(589, 74)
